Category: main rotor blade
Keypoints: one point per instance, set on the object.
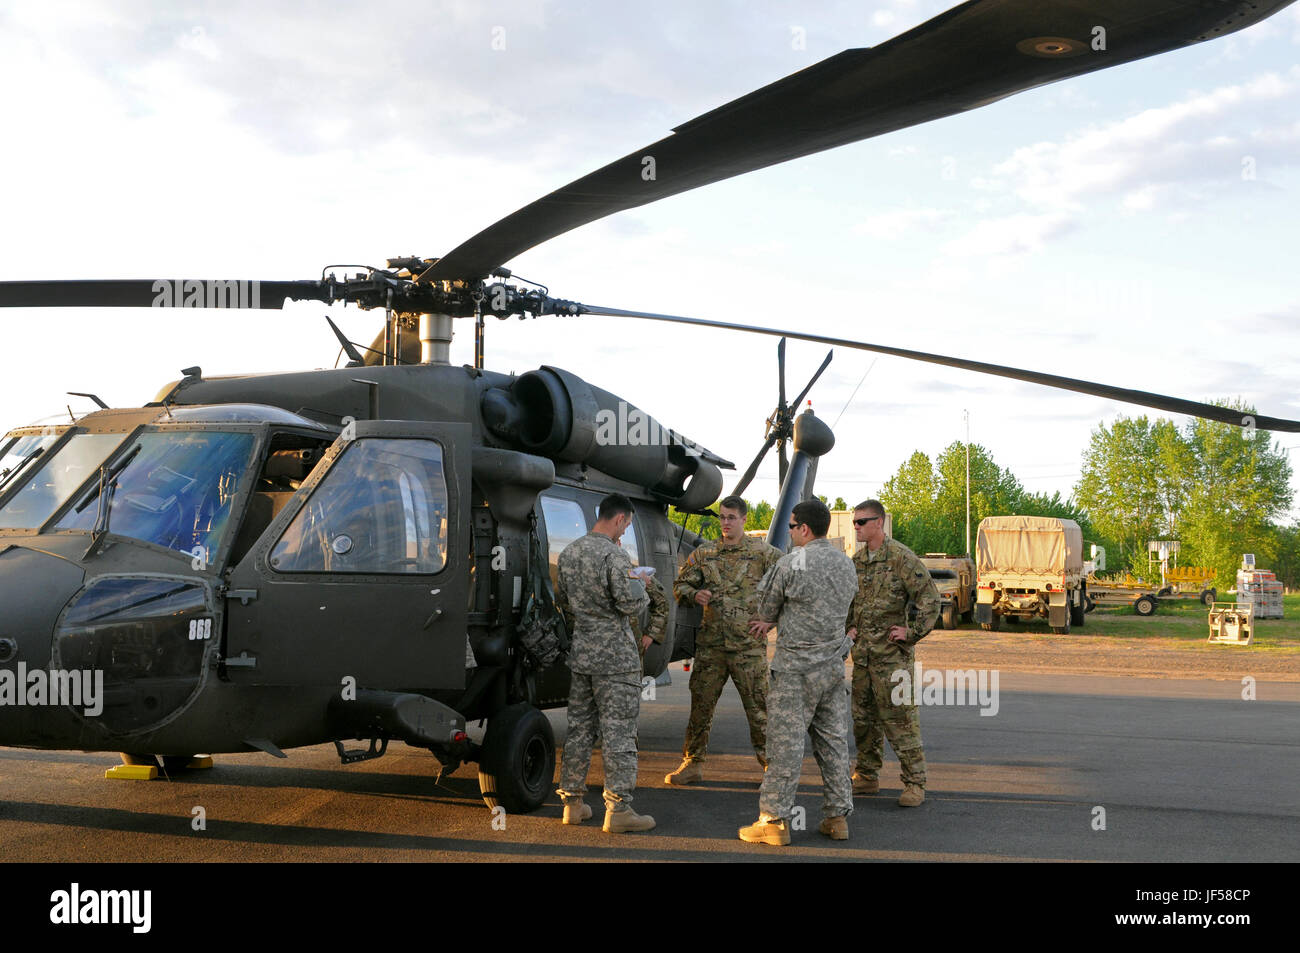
(969, 56)
(752, 469)
(1177, 405)
(783, 463)
(157, 293)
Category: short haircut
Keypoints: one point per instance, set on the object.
(734, 503)
(874, 507)
(814, 514)
(613, 505)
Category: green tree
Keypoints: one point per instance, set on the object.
(840, 504)
(1125, 485)
(759, 515)
(1240, 484)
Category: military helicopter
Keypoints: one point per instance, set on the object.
(259, 563)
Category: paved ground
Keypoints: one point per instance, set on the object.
(1184, 770)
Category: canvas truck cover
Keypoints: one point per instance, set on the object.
(1025, 545)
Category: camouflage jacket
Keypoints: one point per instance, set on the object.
(656, 623)
(807, 596)
(888, 580)
(732, 574)
(595, 592)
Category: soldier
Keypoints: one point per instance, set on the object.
(889, 577)
(805, 595)
(723, 577)
(656, 623)
(595, 589)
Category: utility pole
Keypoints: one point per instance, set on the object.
(966, 415)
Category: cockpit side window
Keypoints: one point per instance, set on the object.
(382, 508)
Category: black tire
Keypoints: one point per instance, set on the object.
(1209, 595)
(1078, 613)
(1145, 605)
(1090, 603)
(1166, 591)
(969, 614)
(517, 764)
(948, 617)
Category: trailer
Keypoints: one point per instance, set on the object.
(1192, 584)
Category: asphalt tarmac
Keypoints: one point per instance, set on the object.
(1070, 768)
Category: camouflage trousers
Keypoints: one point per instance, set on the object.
(876, 717)
(808, 703)
(606, 706)
(709, 673)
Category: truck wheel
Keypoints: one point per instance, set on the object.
(1063, 629)
(1145, 605)
(969, 614)
(949, 617)
(1208, 596)
(1077, 612)
(517, 763)
(1090, 603)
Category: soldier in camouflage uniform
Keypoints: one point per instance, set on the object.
(806, 595)
(889, 577)
(723, 577)
(596, 591)
(656, 623)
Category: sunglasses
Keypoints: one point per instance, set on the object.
(864, 522)
(794, 526)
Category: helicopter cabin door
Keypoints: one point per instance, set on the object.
(364, 572)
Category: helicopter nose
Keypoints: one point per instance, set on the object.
(34, 588)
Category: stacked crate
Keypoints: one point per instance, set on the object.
(1260, 590)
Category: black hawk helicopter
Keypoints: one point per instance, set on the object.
(259, 563)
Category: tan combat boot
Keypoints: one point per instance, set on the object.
(576, 810)
(688, 772)
(627, 821)
(836, 828)
(767, 831)
(865, 785)
(913, 796)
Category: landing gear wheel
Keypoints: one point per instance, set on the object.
(1145, 605)
(518, 759)
(1208, 596)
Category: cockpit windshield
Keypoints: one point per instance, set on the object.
(174, 491)
(21, 450)
(57, 478)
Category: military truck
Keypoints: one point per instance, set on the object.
(954, 577)
(1030, 567)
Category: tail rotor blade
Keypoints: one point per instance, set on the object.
(798, 401)
(752, 469)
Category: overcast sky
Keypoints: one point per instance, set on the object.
(1137, 226)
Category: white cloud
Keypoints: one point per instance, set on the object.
(898, 222)
(1010, 235)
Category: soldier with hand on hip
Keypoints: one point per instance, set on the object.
(889, 576)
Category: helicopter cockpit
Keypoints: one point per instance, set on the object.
(171, 482)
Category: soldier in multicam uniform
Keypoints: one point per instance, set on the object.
(596, 591)
(806, 595)
(889, 577)
(723, 577)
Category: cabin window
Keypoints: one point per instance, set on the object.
(382, 508)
